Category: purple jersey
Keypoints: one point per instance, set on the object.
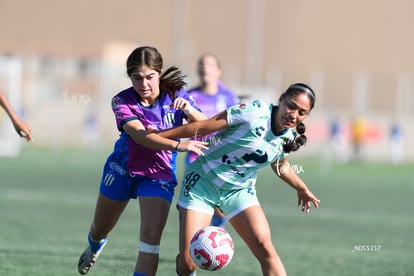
(212, 104)
(155, 164)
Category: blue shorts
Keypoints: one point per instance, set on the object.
(118, 184)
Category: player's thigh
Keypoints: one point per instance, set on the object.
(107, 213)
(190, 222)
(252, 226)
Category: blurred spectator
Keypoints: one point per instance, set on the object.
(337, 139)
(210, 94)
(396, 143)
(90, 132)
(358, 129)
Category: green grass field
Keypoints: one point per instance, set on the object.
(364, 226)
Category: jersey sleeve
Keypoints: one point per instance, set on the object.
(245, 112)
(123, 112)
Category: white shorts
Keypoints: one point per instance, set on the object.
(199, 194)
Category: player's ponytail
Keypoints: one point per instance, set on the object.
(300, 140)
(171, 81)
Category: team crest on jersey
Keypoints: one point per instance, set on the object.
(116, 101)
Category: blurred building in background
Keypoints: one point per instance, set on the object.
(357, 55)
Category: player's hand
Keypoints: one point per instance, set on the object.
(192, 145)
(305, 199)
(183, 104)
(23, 129)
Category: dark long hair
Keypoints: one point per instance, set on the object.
(171, 80)
(294, 90)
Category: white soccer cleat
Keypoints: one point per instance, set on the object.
(87, 260)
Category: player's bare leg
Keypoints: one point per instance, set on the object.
(107, 213)
(253, 228)
(154, 213)
(190, 222)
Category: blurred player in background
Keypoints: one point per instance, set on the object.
(396, 143)
(337, 142)
(22, 128)
(212, 97)
(254, 135)
(358, 131)
(143, 164)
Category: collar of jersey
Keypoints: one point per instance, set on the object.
(146, 106)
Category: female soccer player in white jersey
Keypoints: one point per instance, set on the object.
(253, 135)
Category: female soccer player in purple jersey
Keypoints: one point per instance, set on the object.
(142, 164)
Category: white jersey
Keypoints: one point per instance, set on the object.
(249, 144)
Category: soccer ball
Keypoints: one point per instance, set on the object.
(211, 248)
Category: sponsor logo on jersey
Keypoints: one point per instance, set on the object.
(117, 168)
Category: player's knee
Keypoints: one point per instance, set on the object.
(151, 238)
(264, 249)
(151, 234)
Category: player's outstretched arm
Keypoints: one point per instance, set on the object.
(151, 140)
(196, 129)
(287, 174)
(21, 127)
